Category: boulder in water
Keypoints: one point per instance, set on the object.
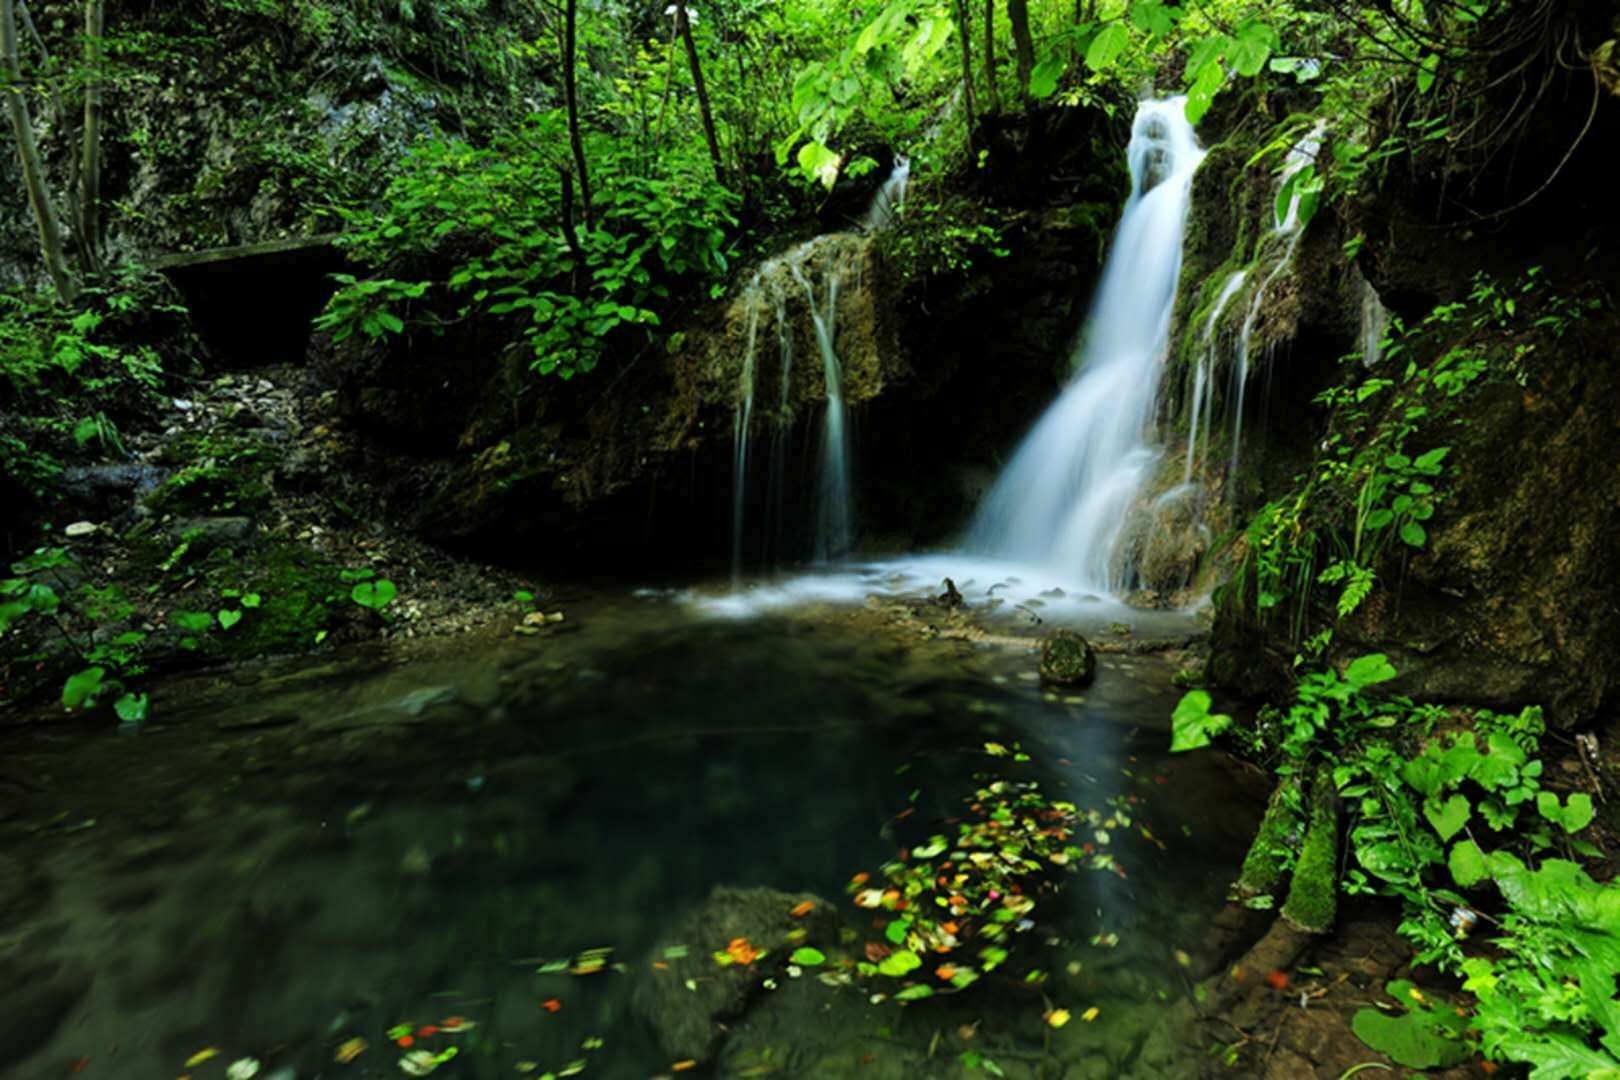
(1067, 659)
(689, 998)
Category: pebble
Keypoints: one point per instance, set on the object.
(79, 528)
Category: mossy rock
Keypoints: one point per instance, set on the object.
(1273, 844)
(1067, 659)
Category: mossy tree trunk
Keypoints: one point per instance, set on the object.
(90, 159)
(33, 170)
(1313, 893)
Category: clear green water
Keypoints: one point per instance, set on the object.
(300, 855)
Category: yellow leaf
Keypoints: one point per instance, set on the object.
(1057, 1017)
(201, 1056)
(1090, 1014)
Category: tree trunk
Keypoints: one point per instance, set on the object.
(964, 30)
(571, 97)
(992, 95)
(684, 25)
(1023, 44)
(90, 166)
(22, 126)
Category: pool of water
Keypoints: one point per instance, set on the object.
(298, 856)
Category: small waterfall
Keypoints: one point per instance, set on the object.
(742, 425)
(817, 270)
(1062, 501)
(891, 197)
(1203, 395)
(1284, 234)
(832, 503)
(1374, 322)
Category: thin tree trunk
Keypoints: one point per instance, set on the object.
(22, 126)
(571, 95)
(684, 25)
(991, 93)
(1023, 44)
(90, 168)
(965, 30)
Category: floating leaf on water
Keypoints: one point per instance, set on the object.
(676, 952)
(899, 963)
(915, 993)
(453, 1024)
(573, 1068)
(869, 898)
(1057, 1018)
(552, 967)
(1090, 1014)
(350, 1049)
(801, 910)
(201, 1056)
(682, 1066)
(995, 749)
(419, 1063)
(552, 1005)
(808, 957)
(592, 1042)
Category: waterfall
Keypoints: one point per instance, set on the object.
(1062, 500)
(1203, 395)
(1374, 323)
(817, 270)
(1286, 234)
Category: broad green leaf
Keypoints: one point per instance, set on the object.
(1043, 81)
(81, 689)
(1107, 45)
(1193, 725)
(915, 993)
(1448, 818)
(899, 963)
(808, 957)
(1413, 534)
(1369, 670)
(1467, 864)
(375, 595)
(1206, 84)
(228, 617)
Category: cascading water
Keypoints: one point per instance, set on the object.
(818, 270)
(1285, 235)
(1062, 500)
(1203, 395)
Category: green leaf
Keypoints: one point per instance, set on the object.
(1107, 45)
(1193, 725)
(899, 963)
(228, 617)
(1412, 1039)
(252, 600)
(1467, 864)
(1043, 81)
(131, 708)
(1426, 72)
(375, 595)
(1413, 534)
(1369, 670)
(896, 931)
(1448, 818)
(915, 993)
(193, 622)
(81, 689)
(1201, 94)
(808, 957)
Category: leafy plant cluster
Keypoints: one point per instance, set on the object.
(1370, 490)
(1442, 805)
(941, 239)
(508, 243)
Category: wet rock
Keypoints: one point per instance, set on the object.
(213, 532)
(1067, 659)
(300, 468)
(688, 1004)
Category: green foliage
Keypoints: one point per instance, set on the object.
(494, 217)
(374, 595)
(941, 239)
(1424, 1036)
(1193, 725)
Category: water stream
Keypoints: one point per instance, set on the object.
(1061, 502)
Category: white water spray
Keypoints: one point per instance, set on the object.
(1062, 501)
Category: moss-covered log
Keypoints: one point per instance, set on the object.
(1263, 866)
(1313, 893)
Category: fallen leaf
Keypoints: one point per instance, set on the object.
(1277, 979)
(801, 910)
(201, 1056)
(682, 1066)
(1057, 1017)
(350, 1050)
(551, 1005)
(1090, 1014)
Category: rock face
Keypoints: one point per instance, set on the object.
(1067, 659)
(689, 1020)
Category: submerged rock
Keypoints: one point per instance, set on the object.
(690, 998)
(1067, 659)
